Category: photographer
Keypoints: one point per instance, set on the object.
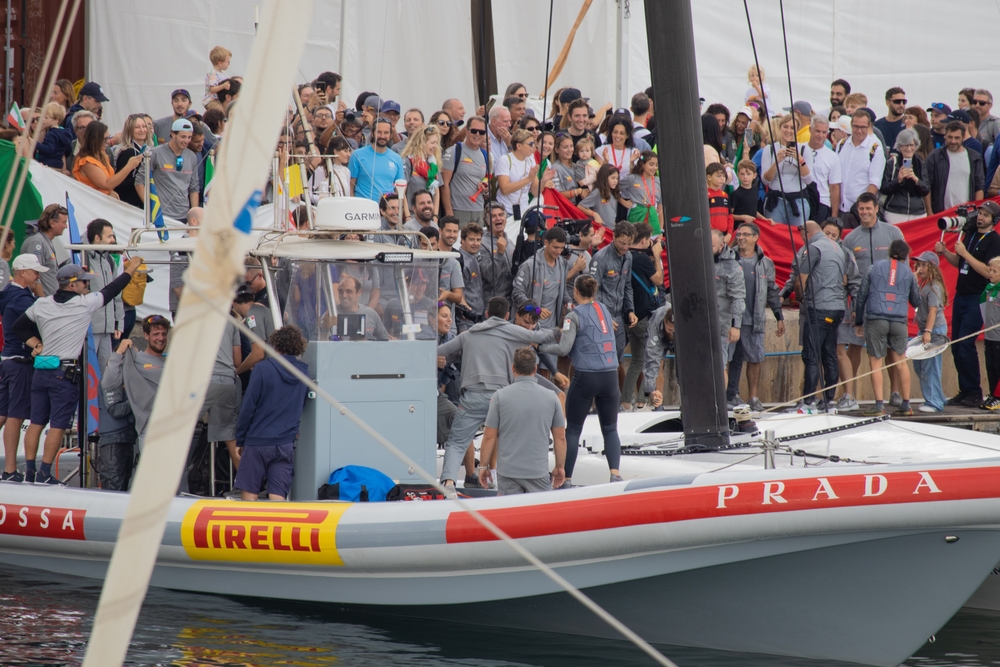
(978, 244)
(544, 277)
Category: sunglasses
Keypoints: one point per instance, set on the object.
(981, 103)
(523, 96)
(477, 132)
(444, 123)
(531, 143)
(533, 128)
(534, 310)
(902, 101)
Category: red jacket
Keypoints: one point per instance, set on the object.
(718, 210)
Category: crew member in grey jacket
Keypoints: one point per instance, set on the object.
(659, 341)
(487, 352)
(139, 372)
(612, 267)
(547, 278)
(883, 312)
(761, 294)
(824, 275)
(107, 322)
(731, 294)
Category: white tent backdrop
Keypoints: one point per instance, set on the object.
(419, 52)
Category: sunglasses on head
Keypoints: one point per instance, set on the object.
(533, 310)
(155, 319)
(477, 132)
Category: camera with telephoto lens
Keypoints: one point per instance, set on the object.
(572, 227)
(350, 115)
(963, 221)
(468, 314)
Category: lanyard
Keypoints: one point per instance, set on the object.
(650, 198)
(614, 158)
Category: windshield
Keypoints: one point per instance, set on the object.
(363, 300)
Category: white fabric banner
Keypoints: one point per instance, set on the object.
(417, 53)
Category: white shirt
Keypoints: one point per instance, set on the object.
(622, 159)
(788, 168)
(860, 166)
(516, 170)
(957, 189)
(826, 171)
(63, 326)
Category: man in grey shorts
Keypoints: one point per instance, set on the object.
(882, 308)
(518, 423)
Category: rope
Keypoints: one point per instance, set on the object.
(497, 532)
(7, 205)
(886, 367)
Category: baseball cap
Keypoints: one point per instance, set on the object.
(373, 101)
(622, 112)
(180, 91)
(93, 89)
(843, 124)
(389, 106)
(569, 94)
(28, 261)
(929, 257)
(992, 208)
(182, 125)
(802, 107)
(871, 114)
(939, 107)
(746, 111)
(960, 115)
(71, 273)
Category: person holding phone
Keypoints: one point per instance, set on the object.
(787, 169)
(903, 184)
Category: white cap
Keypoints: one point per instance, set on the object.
(28, 261)
(843, 124)
(182, 125)
(746, 111)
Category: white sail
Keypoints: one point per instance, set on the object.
(215, 268)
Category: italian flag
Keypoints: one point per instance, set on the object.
(14, 118)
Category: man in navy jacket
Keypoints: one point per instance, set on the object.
(268, 424)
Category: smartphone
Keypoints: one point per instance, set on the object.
(490, 104)
(907, 163)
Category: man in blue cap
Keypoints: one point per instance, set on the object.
(180, 100)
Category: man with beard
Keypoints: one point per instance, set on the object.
(496, 254)
(423, 212)
(375, 168)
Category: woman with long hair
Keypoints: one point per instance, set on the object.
(446, 128)
(642, 188)
(92, 166)
(619, 148)
(711, 138)
(422, 166)
(933, 328)
(743, 142)
(136, 138)
(965, 98)
(787, 170)
(565, 170)
(602, 202)
(63, 93)
(555, 113)
(516, 90)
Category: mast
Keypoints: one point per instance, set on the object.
(670, 35)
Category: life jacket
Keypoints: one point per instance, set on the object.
(889, 291)
(594, 349)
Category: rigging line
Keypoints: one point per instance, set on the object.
(7, 205)
(886, 367)
(520, 549)
(378, 112)
(487, 202)
(539, 198)
(810, 322)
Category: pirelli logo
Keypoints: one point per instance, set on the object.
(299, 533)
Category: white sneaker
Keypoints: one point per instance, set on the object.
(927, 408)
(847, 402)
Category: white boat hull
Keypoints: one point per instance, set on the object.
(852, 564)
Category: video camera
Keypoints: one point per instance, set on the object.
(963, 221)
(468, 314)
(572, 227)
